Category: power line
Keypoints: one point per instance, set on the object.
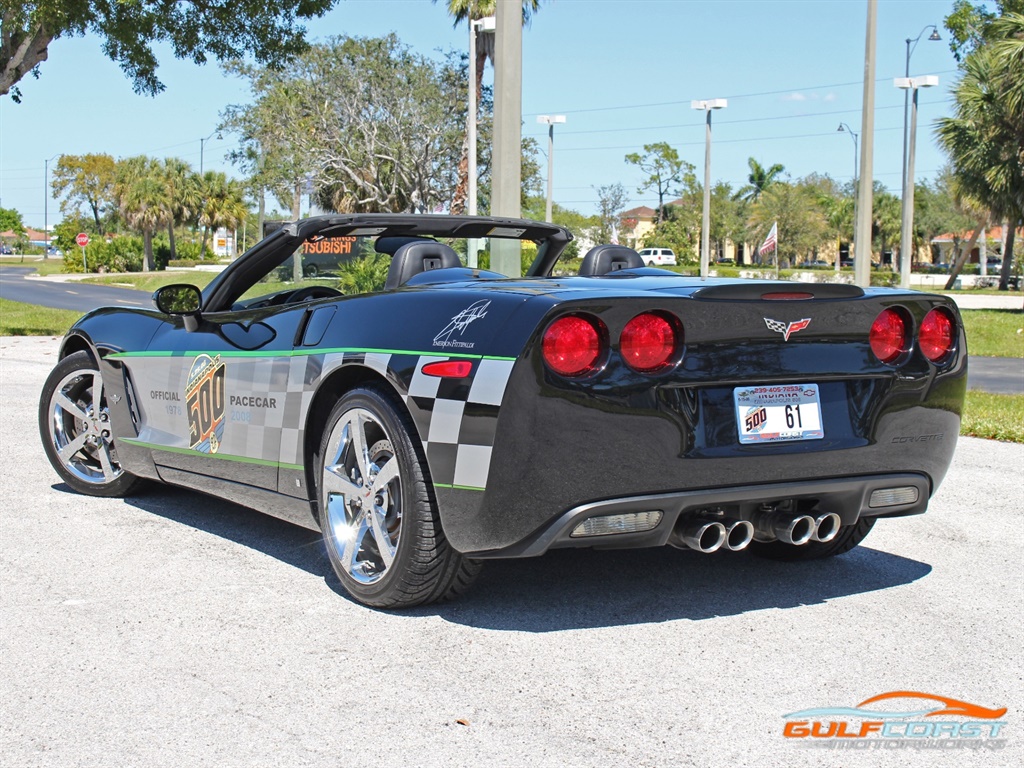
(734, 96)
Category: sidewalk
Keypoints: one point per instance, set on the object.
(1011, 300)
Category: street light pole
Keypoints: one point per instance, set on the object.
(485, 24)
(843, 127)
(202, 144)
(907, 234)
(46, 207)
(705, 229)
(550, 121)
(911, 45)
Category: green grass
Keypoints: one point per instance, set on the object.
(150, 281)
(994, 417)
(18, 319)
(994, 332)
(52, 266)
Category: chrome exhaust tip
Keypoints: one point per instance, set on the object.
(789, 529)
(702, 535)
(826, 527)
(738, 535)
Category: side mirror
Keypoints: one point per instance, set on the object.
(180, 300)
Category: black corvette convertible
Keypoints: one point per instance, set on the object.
(458, 415)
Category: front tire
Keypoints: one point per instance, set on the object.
(849, 536)
(380, 524)
(74, 424)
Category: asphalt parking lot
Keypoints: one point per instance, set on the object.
(173, 629)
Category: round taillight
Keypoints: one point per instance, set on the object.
(649, 342)
(889, 335)
(936, 334)
(573, 344)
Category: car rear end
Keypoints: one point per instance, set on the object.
(638, 420)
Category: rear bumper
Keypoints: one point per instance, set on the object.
(849, 497)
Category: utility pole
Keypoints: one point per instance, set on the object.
(865, 196)
(508, 139)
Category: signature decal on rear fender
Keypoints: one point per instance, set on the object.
(786, 330)
(459, 323)
(204, 402)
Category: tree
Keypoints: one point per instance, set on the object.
(85, 180)
(664, 169)
(611, 199)
(969, 24)
(983, 138)
(886, 211)
(266, 31)
(760, 179)
(936, 211)
(143, 200)
(728, 217)
(471, 10)
(223, 204)
(10, 219)
(184, 193)
(378, 127)
(802, 224)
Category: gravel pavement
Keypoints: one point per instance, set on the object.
(173, 629)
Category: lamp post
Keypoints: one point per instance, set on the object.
(906, 240)
(708, 106)
(911, 45)
(550, 121)
(202, 145)
(844, 128)
(485, 24)
(46, 206)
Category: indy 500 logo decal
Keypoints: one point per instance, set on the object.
(458, 325)
(204, 401)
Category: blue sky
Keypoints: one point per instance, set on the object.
(622, 71)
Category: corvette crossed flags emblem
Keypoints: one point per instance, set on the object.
(786, 330)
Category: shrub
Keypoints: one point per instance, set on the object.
(120, 254)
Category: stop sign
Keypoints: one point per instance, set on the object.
(82, 239)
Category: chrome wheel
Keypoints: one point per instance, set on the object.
(361, 495)
(79, 428)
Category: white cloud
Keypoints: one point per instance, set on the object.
(830, 97)
(794, 97)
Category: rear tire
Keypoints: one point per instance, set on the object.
(74, 424)
(849, 536)
(380, 523)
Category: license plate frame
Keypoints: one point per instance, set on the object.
(778, 413)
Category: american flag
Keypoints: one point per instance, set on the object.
(770, 241)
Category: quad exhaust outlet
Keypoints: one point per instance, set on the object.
(708, 535)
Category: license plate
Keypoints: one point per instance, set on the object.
(777, 413)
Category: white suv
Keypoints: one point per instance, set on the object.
(659, 256)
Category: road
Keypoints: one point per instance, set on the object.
(172, 629)
(15, 286)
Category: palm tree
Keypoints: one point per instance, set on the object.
(143, 200)
(983, 138)
(471, 10)
(886, 222)
(760, 179)
(184, 193)
(223, 204)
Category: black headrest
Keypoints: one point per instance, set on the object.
(419, 256)
(602, 259)
(390, 245)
